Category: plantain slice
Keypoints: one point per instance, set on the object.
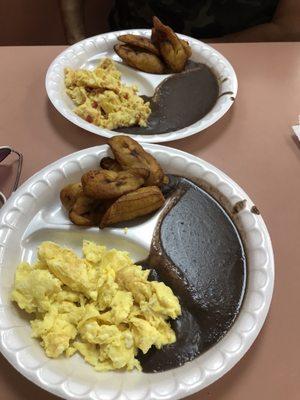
(81, 220)
(173, 51)
(139, 41)
(155, 37)
(110, 164)
(87, 211)
(155, 40)
(84, 205)
(187, 47)
(141, 60)
(83, 211)
(141, 202)
(130, 154)
(69, 195)
(104, 184)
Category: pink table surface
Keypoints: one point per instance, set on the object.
(252, 144)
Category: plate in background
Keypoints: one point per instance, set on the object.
(87, 54)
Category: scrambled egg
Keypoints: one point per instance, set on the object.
(101, 305)
(102, 99)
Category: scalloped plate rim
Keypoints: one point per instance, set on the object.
(159, 138)
(232, 360)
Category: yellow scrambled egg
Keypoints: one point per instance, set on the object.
(101, 305)
(102, 99)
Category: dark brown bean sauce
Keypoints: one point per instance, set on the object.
(180, 101)
(197, 251)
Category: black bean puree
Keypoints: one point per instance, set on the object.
(197, 251)
(180, 100)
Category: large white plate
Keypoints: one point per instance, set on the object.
(34, 214)
(88, 52)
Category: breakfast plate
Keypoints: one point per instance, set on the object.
(34, 214)
(87, 54)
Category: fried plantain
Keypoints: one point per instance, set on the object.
(110, 164)
(172, 49)
(141, 60)
(83, 211)
(87, 211)
(81, 220)
(84, 205)
(130, 154)
(141, 202)
(140, 42)
(69, 195)
(185, 43)
(187, 47)
(154, 37)
(104, 184)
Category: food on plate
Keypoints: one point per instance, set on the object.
(126, 187)
(155, 40)
(110, 164)
(135, 204)
(107, 184)
(187, 47)
(174, 52)
(199, 82)
(130, 154)
(87, 211)
(165, 52)
(197, 251)
(142, 60)
(102, 305)
(139, 41)
(70, 194)
(83, 210)
(103, 100)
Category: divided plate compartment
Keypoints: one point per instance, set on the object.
(34, 214)
(87, 54)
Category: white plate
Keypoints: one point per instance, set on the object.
(88, 52)
(34, 214)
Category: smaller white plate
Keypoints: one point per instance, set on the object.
(88, 53)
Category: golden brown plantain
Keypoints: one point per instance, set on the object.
(139, 41)
(87, 211)
(130, 154)
(173, 51)
(141, 202)
(141, 60)
(84, 204)
(82, 212)
(104, 184)
(69, 195)
(155, 37)
(110, 164)
(187, 47)
(81, 220)
(155, 40)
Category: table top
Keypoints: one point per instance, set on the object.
(252, 143)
